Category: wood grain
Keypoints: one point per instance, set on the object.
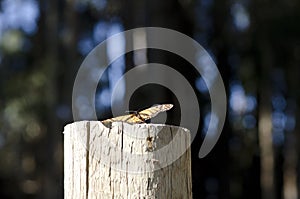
(126, 161)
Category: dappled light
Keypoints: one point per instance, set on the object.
(19, 14)
(241, 17)
(253, 44)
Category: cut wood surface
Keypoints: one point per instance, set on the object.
(126, 161)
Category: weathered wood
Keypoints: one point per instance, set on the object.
(126, 161)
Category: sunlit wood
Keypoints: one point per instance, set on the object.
(97, 169)
(267, 159)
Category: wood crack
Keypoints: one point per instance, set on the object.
(87, 158)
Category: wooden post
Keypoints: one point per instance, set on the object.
(126, 161)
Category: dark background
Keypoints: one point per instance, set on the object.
(255, 44)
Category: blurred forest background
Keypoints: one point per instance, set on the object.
(255, 44)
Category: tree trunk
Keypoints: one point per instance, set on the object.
(126, 161)
(265, 125)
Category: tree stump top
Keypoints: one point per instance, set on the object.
(126, 160)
